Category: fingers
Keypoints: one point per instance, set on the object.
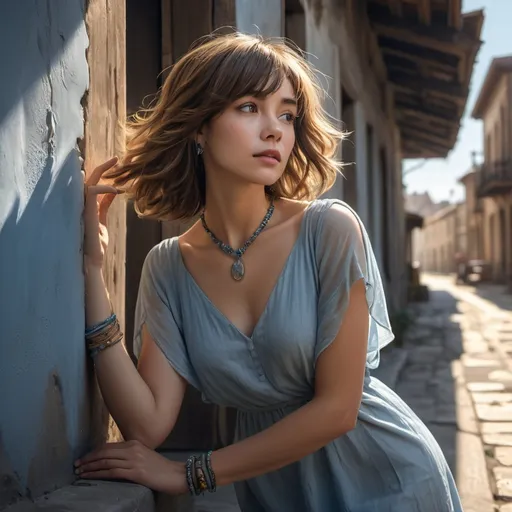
(108, 450)
(109, 474)
(103, 465)
(95, 176)
(100, 189)
(105, 203)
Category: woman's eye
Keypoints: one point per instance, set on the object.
(249, 107)
(290, 118)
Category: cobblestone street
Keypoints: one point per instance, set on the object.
(457, 377)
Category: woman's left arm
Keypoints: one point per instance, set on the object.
(333, 411)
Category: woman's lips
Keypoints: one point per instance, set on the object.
(269, 160)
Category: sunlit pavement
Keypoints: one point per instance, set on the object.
(458, 379)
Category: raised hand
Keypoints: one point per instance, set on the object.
(98, 199)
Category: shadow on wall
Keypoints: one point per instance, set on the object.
(46, 419)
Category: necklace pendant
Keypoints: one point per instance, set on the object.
(238, 269)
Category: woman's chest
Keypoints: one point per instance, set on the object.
(283, 339)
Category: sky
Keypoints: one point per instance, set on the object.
(439, 176)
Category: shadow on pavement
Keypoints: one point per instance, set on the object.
(496, 293)
(426, 382)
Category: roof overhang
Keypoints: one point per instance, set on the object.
(499, 66)
(413, 220)
(429, 49)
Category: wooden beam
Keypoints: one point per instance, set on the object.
(190, 20)
(410, 62)
(224, 15)
(454, 14)
(418, 51)
(166, 10)
(441, 150)
(437, 112)
(425, 131)
(427, 94)
(426, 115)
(424, 12)
(439, 37)
(418, 135)
(424, 83)
(420, 151)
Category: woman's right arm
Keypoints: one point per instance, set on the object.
(144, 402)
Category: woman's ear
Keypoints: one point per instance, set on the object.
(201, 136)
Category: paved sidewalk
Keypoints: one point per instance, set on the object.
(426, 382)
(482, 378)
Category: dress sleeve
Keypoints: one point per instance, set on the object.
(158, 308)
(344, 255)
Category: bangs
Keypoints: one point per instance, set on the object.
(254, 70)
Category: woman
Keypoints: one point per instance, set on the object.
(269, 303)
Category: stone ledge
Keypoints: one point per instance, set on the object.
(89, 495)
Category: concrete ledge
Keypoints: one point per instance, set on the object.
(91, 495)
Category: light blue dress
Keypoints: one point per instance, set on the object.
(389, 462)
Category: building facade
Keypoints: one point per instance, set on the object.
(421, 204)
(396, 75)
(489, 186)
(443, 239)
(473, 214)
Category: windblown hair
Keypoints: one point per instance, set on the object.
(161, 170)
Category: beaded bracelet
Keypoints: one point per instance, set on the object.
(104, 335)
(93, 352)
(200, 475)
(208, 458)
(188, 470)
(95, 328)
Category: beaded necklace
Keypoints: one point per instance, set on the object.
(238, 267)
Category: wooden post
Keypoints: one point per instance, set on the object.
(104, 113)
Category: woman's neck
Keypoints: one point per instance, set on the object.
(234, 214)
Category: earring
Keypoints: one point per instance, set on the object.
(199, 149)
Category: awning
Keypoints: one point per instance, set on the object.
(429, 49)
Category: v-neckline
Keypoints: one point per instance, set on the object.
(280, 276)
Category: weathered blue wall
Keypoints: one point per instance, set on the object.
(44, 406)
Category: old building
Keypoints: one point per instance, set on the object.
(398, 79)
(473, 214)
(423, 205)
(489, 186)
(443, 239)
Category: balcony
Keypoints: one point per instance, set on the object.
(494, 179)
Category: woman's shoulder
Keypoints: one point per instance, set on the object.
(162, 257)
(334, 218)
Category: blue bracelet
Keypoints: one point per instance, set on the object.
(98, 327)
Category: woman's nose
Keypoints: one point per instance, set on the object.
(272, 130)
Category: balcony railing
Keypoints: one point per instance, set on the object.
(494, 179)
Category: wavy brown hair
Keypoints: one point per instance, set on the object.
(161, 171)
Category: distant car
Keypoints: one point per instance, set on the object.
(474, 271)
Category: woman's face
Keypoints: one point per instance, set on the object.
(252, 139)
